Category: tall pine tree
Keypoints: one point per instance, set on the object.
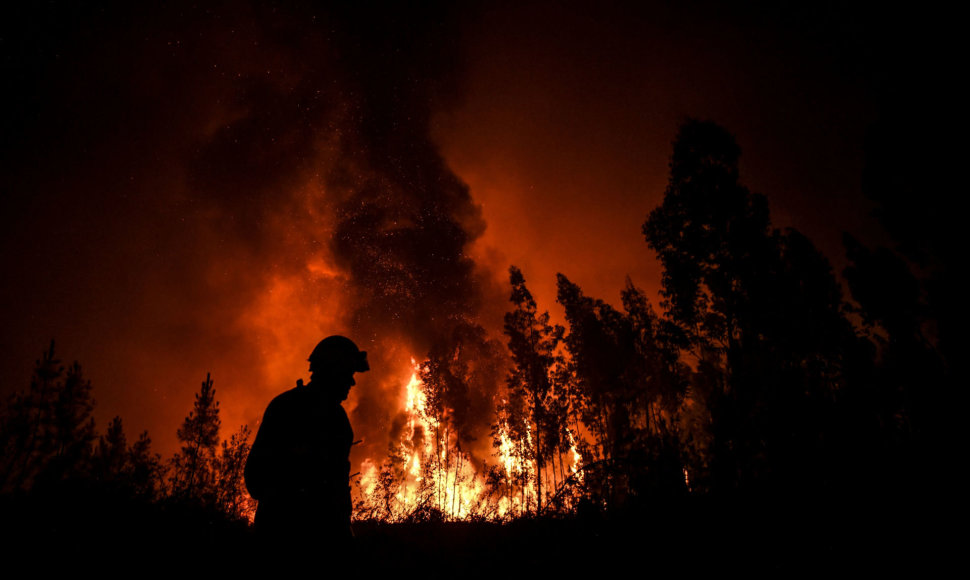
(47, 431)
(194, 467)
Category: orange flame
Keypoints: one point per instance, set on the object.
(427, 475)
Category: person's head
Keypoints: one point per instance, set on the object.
(333, 363)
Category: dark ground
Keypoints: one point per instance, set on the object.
(77, 530)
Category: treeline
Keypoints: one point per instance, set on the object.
(759, 377)
(51, 449)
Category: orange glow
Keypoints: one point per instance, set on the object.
(432, 472)
(426, 474)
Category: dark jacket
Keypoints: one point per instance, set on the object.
(298, 467)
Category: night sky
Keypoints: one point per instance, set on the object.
(189, 190)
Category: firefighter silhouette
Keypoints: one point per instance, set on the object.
(298, 467)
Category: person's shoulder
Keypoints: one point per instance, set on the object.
(294, 397)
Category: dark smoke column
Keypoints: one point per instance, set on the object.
(402, 218)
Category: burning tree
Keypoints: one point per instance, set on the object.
(531, 422)
(443, 377)
(430, 471)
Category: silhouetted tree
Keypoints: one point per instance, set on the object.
(657, 360)
(74, 431)
(194, 470)
(895, 418)
(659, 461)
(600, 345)
(629, 386)
(912, 184)
(133, 470)
(47, 431)
(111, 455)
(27, 425)
(146, 469)
(533, 343)
(758, 310)
(231, 495)
(915, 297)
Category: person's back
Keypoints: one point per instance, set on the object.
(298, 467)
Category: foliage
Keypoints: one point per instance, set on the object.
(628, 387)
(756, 378)
(47, 432)
(532, 414)
(194, 469)
(231, 496)
(132, 470)
(205, 474)
(429, 471)
(900, 413)
(760, 311)
(49, 443)
(146, 471)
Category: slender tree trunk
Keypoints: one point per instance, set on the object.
(536, 410)
(454, 492)
(437, 464)
(562, 467)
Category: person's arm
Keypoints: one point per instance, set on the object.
(260, 469)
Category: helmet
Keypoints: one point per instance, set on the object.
(339, 350)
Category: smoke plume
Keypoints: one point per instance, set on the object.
(222, 187)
